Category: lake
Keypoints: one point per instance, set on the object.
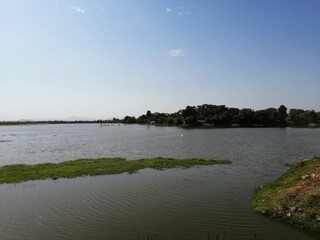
(179, 204)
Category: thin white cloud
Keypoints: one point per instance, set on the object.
(181, 11)
(77, 9)
(177, 52)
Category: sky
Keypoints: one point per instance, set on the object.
(103, 59)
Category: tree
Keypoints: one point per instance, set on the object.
(129, 119)
(190, 115)
(178, 121)
(272, 115)
(246, 116)
(189, 112)
(310, 116)
(170, 121)
(142, 119)
(297, 116)
(234, 113)
(191, 120)
(160, 120)
(261, 116)
(282, 114)
(226, 117)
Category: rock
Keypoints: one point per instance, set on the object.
(292, 209)
(313, 175)
(304, 177)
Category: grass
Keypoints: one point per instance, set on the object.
(91, 167)
(294, 198)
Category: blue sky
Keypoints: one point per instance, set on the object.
(104, 59)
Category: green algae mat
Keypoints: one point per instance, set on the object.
(91, 167)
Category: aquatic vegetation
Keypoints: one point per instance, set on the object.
(294, 198)
(92, 167)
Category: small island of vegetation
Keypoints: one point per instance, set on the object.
(91, 167)
(294, 198)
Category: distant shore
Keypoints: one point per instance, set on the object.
(15, 123)
(199, 126)
(209, 116)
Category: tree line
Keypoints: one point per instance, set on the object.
(208, 115)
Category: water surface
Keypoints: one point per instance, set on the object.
(176, 203)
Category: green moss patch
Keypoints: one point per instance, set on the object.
(92, 167)
(294, 198)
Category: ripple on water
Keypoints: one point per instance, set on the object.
(176, 203)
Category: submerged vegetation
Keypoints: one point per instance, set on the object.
(294, 198)
(92, 167)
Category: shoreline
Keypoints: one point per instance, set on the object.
(294, 198)
(158, 125)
